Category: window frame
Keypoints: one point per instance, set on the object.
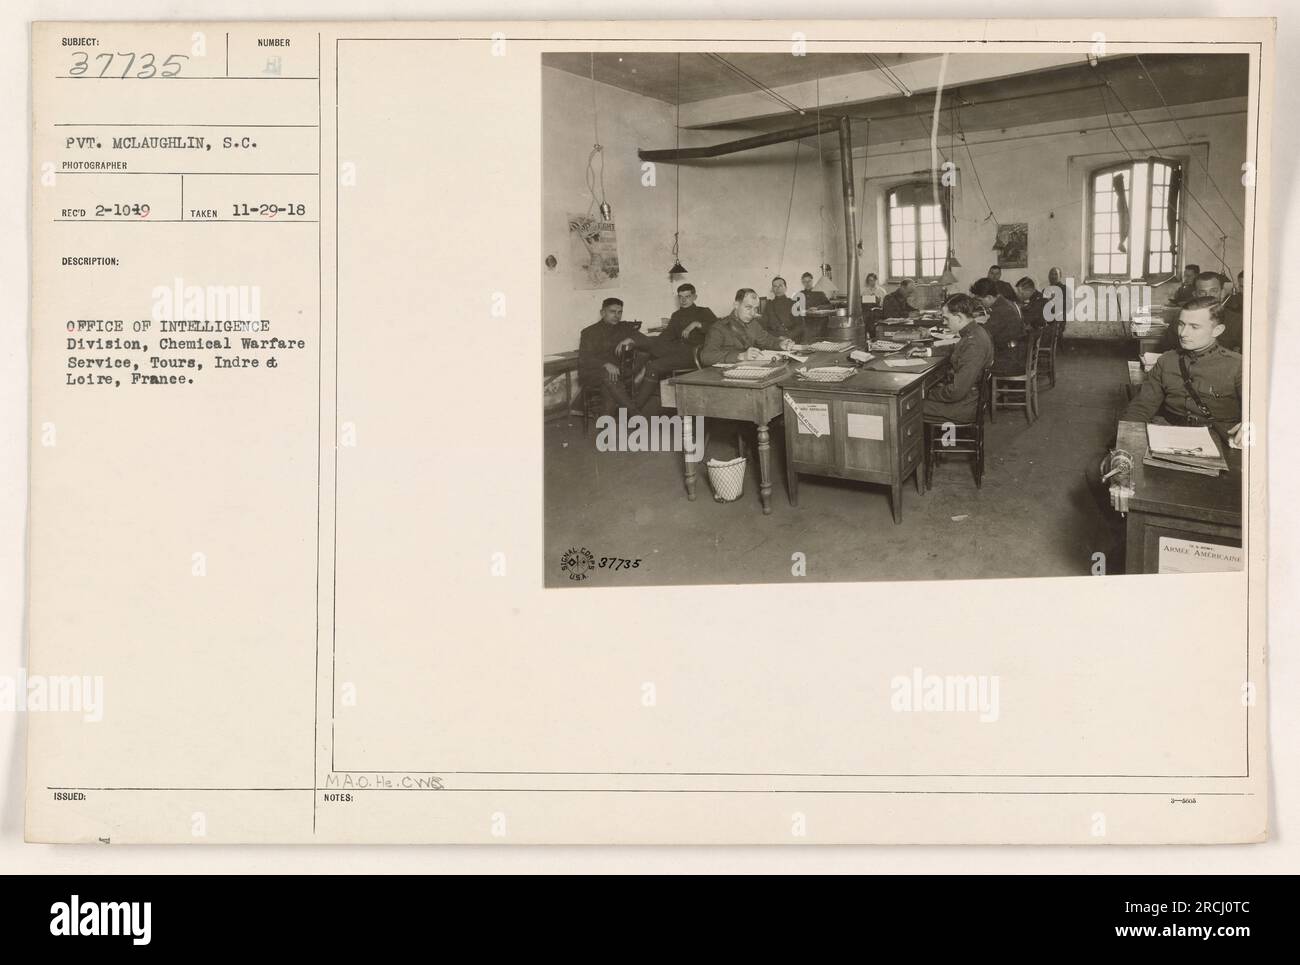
(1175, 242)
(1093, 175)
(1139, 253)
(917, 256)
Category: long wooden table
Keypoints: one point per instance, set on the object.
(1178, 505)
(867, 428)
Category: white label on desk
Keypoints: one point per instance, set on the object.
(861, 425)
(813, 417)
(1186, 556)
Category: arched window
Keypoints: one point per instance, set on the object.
(918, 238)
(1134, 219)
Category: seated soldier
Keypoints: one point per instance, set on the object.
(738, 337)
(675, 348)
(1187, 290)
(957, 399)
(1005, 327)
(625, 381)
(812, 297)
(1033, 306)
(872, 293)
(779, 316)
(1003, 289)
(1237, 300)
(1198, 383)
(1210, 284)
(898, 304)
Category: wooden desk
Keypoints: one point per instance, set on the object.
(1136, 376)
(706, 393)
(874, 421)
(563, 364)
(1182, 505)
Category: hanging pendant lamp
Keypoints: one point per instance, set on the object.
(677, 268)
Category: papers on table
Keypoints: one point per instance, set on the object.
(1180, 440)
(775, 355)
(1186, 448)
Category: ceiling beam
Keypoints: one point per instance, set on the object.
(922, 76)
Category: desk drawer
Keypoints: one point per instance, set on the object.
(909, 406)
(910, 458)
(910, 432)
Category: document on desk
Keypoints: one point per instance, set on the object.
(307, 565)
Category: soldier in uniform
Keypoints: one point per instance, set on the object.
(625, 381)
(1211, 283)
(1198, 383)
(687, 328)
(1187, 290)
(957, 399)
(897, 304)
(1005, 326)
(779, 316)
(738, 337)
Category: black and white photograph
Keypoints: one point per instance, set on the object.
(894, 316)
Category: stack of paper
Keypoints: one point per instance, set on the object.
(1185, 448)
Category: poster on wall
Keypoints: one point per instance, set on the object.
(595, 252)
(1012, 245)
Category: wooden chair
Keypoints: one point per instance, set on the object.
(1047, 353)
(1021, 391)
(592, 405)
(965, 438)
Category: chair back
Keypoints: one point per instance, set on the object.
(986, 394)
(1031, 353)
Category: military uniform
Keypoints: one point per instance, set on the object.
(779, 319)
(1006, 328)
(1183, 295)
(1005, 289)
(895, 305)
(957, 399)
(728, 339)
(596, 347)
(674, 351)
(1214, 372)
(1229, 338)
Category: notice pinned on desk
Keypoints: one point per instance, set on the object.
(813, 417)
(1188, 556)
(864, 425)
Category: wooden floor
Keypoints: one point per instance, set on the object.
(1036, 515)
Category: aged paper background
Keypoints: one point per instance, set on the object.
(404, 496)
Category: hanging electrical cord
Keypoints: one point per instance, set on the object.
(1187, 142)
(592, 178)
(821, 166)
(785, 235)
(975, 170)
(1141, 130)
(1101, 88)
(677, 268)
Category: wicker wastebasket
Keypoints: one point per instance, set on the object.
(727, 478)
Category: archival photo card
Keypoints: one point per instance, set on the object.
(896, 474)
